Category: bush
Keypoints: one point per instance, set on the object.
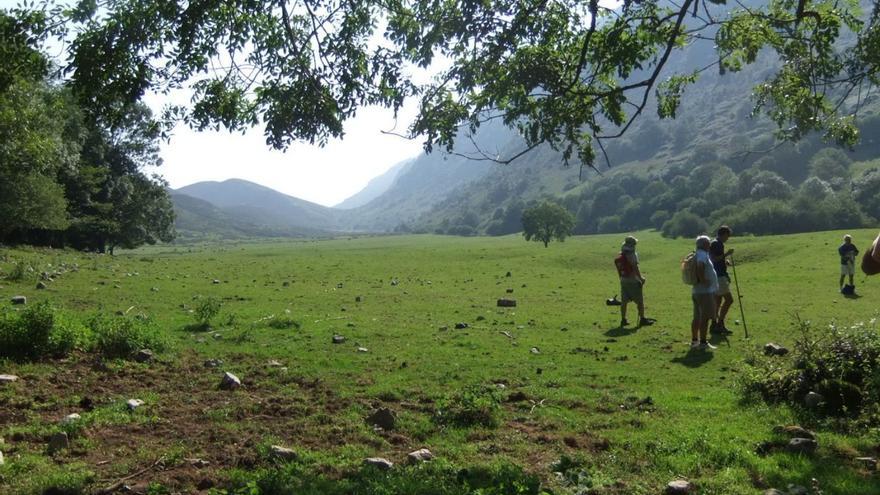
(206, 309)
(122, 336)
(841, 363)
(472, 406)
(37, 333)
(684, 224)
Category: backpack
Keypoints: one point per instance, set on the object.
(624, 268)
(689, 267)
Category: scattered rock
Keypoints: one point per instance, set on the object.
(772, 349)
(461, 326)
(41, 285)
(18, 300)
(773, 491)
(8, 378)
(229, 381)
(86, 403)
(71, 418)
(198, 463)
(363, 349)
(379, 462)
(383, 418)
(421, 455)
(443, 328)
(394, 282)
(213, 363)
(794, 431)
(801, 446)
(274, 364)
(535, 350)
(282, 453)
(285, 284)
(338, 339)
(133, 404)
(798, 490)
(215, 281)
(506, 334)
(358, 299)
(154, 289)
(506, 303)
(812, 400)
(509, 274)
(143, 356)
(679, 487)
(510, 291)
(58, 442)
(869, 463)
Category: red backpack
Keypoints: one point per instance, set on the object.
(624, 268)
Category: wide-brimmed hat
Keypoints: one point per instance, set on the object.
(629, 243)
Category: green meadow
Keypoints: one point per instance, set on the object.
(550, 392)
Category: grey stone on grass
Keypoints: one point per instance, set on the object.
(801, 446)
(812, 400)
(213, 363)
(794, 431)
(1, 459)
(282, 453)
(506, 303)
(772, 349)
(58, 442)
(679, 487)
(869, 463)
(383, 418)
(41, 285)
(215, 281)
(535, 350)
(8, 378)
(338, 339)
(18, 300)
(363, 349)
(70, 419)
(461, 326)
(144, 356)
(133, 404)
(229, 381)
(379, 462)
(421, 455)
(773, 491)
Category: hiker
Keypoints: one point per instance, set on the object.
(871, 259)
(848, 252)
(723, 298)
(631, 281)
(703, 294)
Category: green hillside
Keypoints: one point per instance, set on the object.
(615, 410)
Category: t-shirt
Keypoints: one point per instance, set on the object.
(716, 249)
(848, 253)
(710, 278)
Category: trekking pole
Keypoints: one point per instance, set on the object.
(742, 313)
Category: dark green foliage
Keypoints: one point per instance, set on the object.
(546, 222)
(206, 309)
(435, 478)
(121, 336)
(471, 406)
(840, 363)
(685, 224)
(283, 323)
(37, 333)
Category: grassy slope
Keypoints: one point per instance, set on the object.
(583, 396)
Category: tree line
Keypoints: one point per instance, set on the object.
(69, 178)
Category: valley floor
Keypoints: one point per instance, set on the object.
(550, 386)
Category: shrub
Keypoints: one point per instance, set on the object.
(36, 333)
(841, 363)
(472, 406)
(206, 309)
(684, 224)
(121, 336)
(19, 272)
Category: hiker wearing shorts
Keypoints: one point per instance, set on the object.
(848, 252)
(723, 298)
(871, 259)
(631, 281)
(703, 295)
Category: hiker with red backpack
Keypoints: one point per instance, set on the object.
(631, 281)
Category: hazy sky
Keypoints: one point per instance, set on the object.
(325, 175)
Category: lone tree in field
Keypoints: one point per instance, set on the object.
(547, 221)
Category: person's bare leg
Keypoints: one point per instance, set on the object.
(641, 307)
(623, 312)
(724, 307)
(704, 330)
(842, 278)
(851, 282)
(695, 330)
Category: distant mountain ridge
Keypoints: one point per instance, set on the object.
(375, 188)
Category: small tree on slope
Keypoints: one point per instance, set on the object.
(547, 221)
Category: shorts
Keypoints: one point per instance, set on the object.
(631, 290)
(848, 269)
(704, 306)
(723, 285)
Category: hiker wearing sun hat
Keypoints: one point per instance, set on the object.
(631, 281)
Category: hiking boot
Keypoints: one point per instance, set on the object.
(695, 344)
(646, 322)
(707, 346)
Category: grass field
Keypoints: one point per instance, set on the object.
(627, 410)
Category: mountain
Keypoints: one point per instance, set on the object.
(253, 204)
(375, 188)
